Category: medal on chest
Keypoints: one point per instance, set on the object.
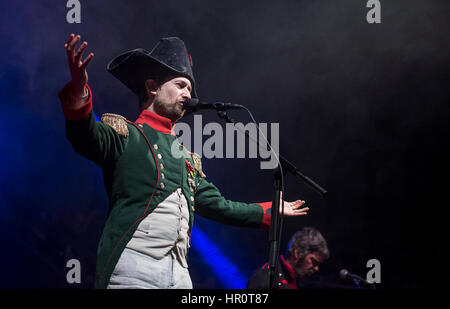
(191, 173)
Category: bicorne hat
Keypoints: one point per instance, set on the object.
(168, 57)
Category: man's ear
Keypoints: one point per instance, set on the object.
(151, 86)
(296, 255)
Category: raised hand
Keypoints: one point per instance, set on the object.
(76, 65)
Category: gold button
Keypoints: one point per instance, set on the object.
(159, 156)
(155, 146)
(192, 198)
(162, 185)
(192, 190)
(163, 176)
(193, 209)
(161, 166)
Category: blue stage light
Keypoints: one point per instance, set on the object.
(227, 273)
(95, 115)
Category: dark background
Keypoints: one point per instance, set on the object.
(363, 110)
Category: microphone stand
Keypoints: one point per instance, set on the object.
(275, 224)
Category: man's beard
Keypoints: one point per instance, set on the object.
(172, 111)
(299, 272)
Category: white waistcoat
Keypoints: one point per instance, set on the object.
(164, 229)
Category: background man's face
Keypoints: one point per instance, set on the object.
(170, 95)
(309, 265)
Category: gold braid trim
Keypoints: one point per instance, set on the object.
(198, 164)
(117, 122)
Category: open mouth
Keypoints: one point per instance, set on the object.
(181, 103)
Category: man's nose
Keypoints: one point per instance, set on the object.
(186, 94)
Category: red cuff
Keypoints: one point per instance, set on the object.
(74, 114)
(267, 207)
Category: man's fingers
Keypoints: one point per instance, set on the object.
(71, 36)
(70, 47)
(297, 204)
(301, 212)
(80, 51)
(295, 213)
(86, 61)
(73, 43)
(305, 209)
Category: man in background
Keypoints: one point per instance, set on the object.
(307, 249)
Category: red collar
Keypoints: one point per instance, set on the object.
(157, 122)
(290, 269)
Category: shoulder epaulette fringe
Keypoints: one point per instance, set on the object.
(117, 122)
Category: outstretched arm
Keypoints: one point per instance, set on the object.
(212, 205)
(96, 141)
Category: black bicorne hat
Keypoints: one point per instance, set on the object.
(169, 56)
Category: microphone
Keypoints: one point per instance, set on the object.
(193, 105)
(344, 274)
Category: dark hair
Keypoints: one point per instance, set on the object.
(308, 240)
(160, 78)
(142, 97)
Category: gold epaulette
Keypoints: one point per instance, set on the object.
(198, 164)
(117, 122)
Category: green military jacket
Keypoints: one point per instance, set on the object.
(143, 163)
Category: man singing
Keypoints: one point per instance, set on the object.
(152, 193)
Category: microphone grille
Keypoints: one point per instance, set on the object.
(343, 273)
(190, 105)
